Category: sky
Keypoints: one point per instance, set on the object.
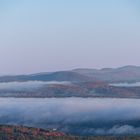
(53, 35)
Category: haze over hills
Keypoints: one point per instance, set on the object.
(77, 83)
(53, 76)
(121, 74)
(110, 75)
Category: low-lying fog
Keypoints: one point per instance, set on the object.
(137, 84)
(28, 85)
(83, 116)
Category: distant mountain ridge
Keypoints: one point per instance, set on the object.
(121, 74)
(73, 83)
(110, 75)
(54, 76)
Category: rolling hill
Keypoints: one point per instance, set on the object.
(113, 75)
(110, 75)
(77, 83)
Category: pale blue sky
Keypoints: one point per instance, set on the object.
(51, 35)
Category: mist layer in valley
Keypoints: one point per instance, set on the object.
(78, 116)
(28, 85)
(43, 89)
(136, 84)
